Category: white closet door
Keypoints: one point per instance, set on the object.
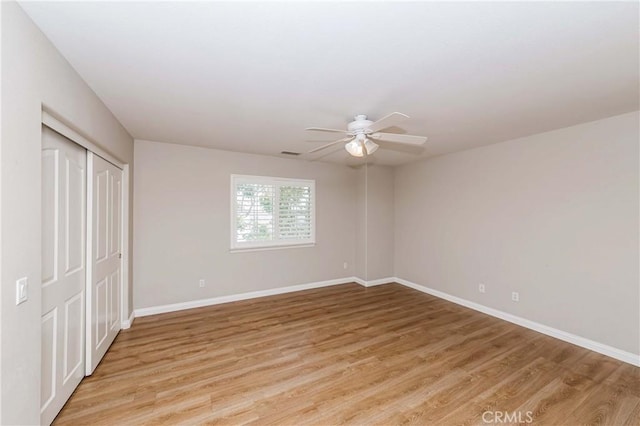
(103, 301)
(63, 270)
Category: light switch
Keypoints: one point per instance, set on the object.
(22, 290)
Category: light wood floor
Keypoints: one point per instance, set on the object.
(348, 355)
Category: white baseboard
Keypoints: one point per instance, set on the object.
(601, 348)
(128, 322)
(372, 283)
(607, 350)
(360, 281)
(153, 310)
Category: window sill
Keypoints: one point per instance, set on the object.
(282, 247)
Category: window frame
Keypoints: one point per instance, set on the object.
(236, 246)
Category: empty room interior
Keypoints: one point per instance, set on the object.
(320, 213)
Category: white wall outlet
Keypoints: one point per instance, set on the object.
(515, 296)
(481, 288)
(345, 265)
(201, 283)
(22, 290)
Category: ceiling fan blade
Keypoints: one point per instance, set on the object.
(327, 153)
(394, 137)
(329, 144)
(323, 129)
(388, 121)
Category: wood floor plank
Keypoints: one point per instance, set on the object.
(604, 405)
(347, 355)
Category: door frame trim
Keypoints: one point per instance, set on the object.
(88, 291)
(54, 122)
(49, 119)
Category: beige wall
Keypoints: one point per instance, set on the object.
(375, 224)
(553, 216)
(380, 222)
(360, 219)
(182, 225)
(33, 74)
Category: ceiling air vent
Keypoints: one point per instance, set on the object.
(289, 153)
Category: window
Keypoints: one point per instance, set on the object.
(271, 212)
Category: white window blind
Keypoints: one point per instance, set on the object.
(269, 212)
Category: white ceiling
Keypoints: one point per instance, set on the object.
(251, 76)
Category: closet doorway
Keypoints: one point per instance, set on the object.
(82, 264)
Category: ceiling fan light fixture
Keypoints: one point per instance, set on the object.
(355, 147)
(371, 146)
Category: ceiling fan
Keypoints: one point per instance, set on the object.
(361, 134)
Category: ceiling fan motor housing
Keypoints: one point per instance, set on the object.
(359, 125)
